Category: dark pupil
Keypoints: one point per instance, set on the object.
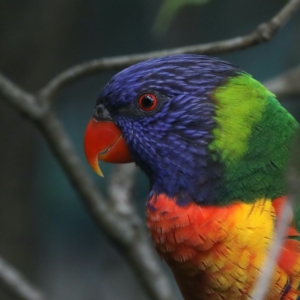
(147, 101)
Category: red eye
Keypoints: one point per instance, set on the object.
(147, 102)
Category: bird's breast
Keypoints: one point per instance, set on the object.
(214, 252)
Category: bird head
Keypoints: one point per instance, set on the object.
(187, 121)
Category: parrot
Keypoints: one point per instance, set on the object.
(215, 145)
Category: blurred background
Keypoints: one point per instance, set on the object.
(45, 230)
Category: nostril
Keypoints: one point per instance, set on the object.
(98, 111)
(101, 113)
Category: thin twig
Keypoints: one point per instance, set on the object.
(286, 85)
(22, 101)
(17, 283)
(263, 33)
(293, 187)
(120, 187)
(127, 231)
(263, 282)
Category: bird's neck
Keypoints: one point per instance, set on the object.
(190, 176)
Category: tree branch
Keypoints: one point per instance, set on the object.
(116, 215)
(286, 84)
(263, 33)
(18, 98)
(120, 186)
(17, 283)
(282, 222)
(125, 229)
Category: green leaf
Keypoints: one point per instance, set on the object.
(167, 12)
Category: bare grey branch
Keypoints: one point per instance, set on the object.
(120, 221)
(17, 283)
(18, 98)
(127, 231)
(263, 33)
(120, 187)
(292, 178)
(263, 282)
(286, 84)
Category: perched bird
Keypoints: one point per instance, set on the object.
(215, 145)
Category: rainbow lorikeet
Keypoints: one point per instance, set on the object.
(215, 145)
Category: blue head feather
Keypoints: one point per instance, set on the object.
(171, 143)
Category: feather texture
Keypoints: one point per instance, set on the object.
(218, 252)
(216, 150)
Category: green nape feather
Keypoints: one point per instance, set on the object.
(252, 140)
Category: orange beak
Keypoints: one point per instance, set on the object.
(104, 141)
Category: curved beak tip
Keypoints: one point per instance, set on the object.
(104, 141)
(97, 169)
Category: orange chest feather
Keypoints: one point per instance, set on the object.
(217, 252)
